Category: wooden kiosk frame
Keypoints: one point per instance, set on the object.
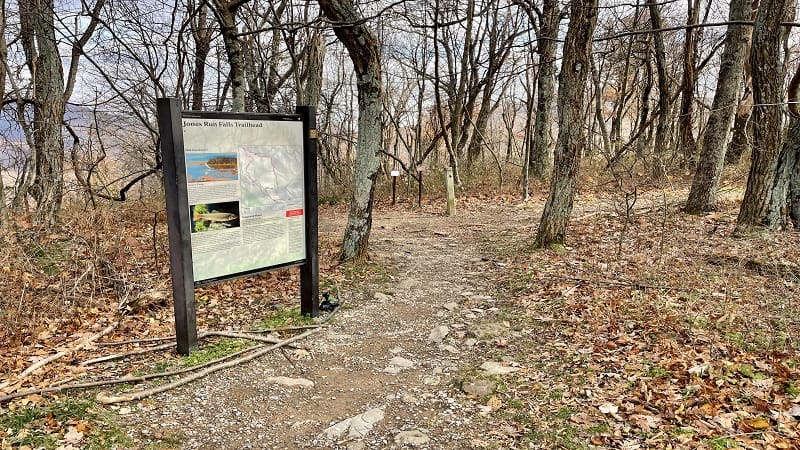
(179, 220)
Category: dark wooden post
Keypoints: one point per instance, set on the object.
(178, 221)
(419, 187)
(395, 174)
(309, 272)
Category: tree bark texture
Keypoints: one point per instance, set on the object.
(361, 44)
(225, 11)
(794, 195)
(783, 195)
(768, 76)
(571, 123)
(742, 125)
(664, 105)
(310, 89)
(686, 135)
(44, 60)
(742, 128)
(778, 207)
(201, 33)
(541, 159)
(703, 194)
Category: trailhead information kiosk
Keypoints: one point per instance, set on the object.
(241, 193)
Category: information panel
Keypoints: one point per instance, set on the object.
(245, 187)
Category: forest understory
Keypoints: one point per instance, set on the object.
(650, 329)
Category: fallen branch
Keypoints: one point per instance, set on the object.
(633, 284)
(136, 341)
(249, 334)
(138, 395)
(277, 329)
(236, 335)
(139, 379)
(116, 356)
(202, 335)
(39, 364)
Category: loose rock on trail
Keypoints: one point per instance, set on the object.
(385, 373)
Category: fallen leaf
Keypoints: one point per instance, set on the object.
(82, 427)
(494, 403)
(756, 424)
(73, 436)
(608, 408)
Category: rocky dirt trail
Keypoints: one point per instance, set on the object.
(385, 373)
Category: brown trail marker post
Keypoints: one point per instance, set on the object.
(419, 185)
(451, 191)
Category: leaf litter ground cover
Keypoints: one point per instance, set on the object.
(108, 270)
(674, 335)
(665, 333)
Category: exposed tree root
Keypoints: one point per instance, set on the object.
(202, 335)
(138, 395)
(139, 379)
(210, 367)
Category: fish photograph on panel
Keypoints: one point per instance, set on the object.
(214, 216)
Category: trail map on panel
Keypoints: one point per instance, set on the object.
(271, 176)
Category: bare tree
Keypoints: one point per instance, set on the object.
(350, 29)
(742, 125)
(686, 138)
(703, 194)
(226, 12)
(662, 137)
(572, 82)
(201, 30)
(782, 200)
(768, 76)
(51, 91)
(540, 159)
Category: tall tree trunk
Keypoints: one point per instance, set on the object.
(686, 134)
(742, 128)
(781, 197)
(768, 76)
(308, 93)
(201, 32)
(44, 60)
(541, 152)
(571, 123)
(4, 213)
(225, 11)
(703, 194)
(664, 105)
(51, 90)
(363, 48)
(794, 195)
(778, 206)
(598, 110)
(643, 141)
(530, 94)
(742, 125)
